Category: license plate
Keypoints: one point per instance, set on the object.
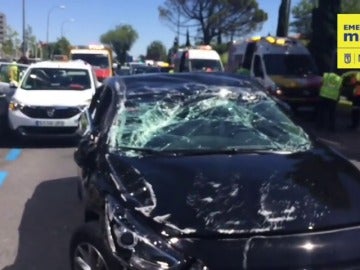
(49, 123)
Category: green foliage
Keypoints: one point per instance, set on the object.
(120, 39)
(31, 42)
(221, 48)
(11, 43)
(302, 14)
(156, 51)
(211, 18)
(142, 58)
(350, 6)
(62, 46)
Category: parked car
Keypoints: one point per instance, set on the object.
(205, 171)
(50, 98)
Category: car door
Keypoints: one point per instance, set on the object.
(92, 125)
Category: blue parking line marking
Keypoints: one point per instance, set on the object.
(3, 176)
(13, 154)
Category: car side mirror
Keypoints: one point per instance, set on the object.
(84, 153)
(86, 125)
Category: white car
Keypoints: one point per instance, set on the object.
(50, 97)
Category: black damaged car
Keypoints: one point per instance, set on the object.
(205, 171)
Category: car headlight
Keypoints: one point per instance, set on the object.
(139, 247)
(15, 105)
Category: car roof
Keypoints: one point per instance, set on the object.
(166, 82)
(75, 64)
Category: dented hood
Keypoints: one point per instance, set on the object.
(243, 193)
(311, 81)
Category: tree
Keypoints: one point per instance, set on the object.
(302, 14)
(173, 50)
(323, 41)
(120, 39)
(142, 58)
(62, 46)
(211, 17)
(31, 43)
(350, 6)
(283, 18)
(188, 44)
(156, 51)
(11, 43)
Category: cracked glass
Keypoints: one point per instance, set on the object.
(199, 118)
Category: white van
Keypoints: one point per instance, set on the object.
(202, 58)
(283, 65)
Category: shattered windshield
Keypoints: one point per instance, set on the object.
(289, 64)
(209, 119)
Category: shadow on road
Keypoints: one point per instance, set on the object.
(49, 218)
(8, 141)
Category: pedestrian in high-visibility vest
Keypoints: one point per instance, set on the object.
(329, 97)
(13, 72)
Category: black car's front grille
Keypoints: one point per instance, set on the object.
(50, 112)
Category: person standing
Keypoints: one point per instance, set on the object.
(13, 72)
(329, 97)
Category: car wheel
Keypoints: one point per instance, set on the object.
(88, 250)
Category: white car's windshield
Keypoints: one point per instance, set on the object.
(56, 79)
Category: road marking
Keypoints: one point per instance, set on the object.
(3, 176)
(13, 154)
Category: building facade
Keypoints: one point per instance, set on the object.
(2, 27)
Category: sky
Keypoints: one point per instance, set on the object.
(83, 21)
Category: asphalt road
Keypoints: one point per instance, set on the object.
(39, 207)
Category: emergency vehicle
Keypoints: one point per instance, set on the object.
(201, 58)
(98, 56)
(283, 65)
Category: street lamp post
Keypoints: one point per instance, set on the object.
(48, 24)
(63, 23)
(24, 45)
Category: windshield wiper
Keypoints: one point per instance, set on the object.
(148, 151)
(192, 152)
(227, 151)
